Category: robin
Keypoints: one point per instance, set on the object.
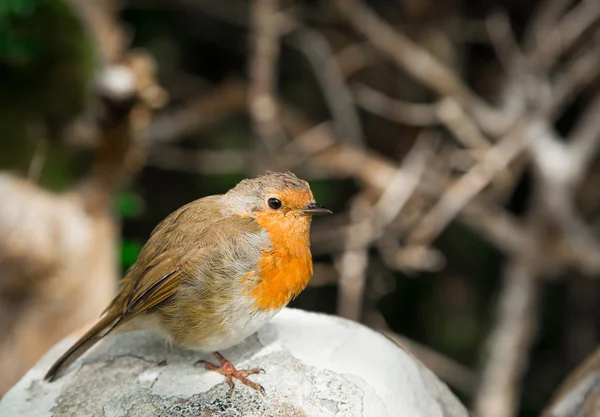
(214, 271)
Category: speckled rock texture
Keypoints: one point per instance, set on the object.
(316, 365)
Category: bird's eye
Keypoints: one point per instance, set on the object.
(274, 203)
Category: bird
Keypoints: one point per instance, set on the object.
(214, 271)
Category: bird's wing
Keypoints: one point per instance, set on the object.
(157, 283)
(195, 246)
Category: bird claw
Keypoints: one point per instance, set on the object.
(227, 369)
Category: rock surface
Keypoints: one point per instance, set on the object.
(316, 365)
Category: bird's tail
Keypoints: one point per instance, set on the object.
(104, 326)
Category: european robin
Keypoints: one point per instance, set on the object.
(214, 271)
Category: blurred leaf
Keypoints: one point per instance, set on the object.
(18, 7)
(47, 62)
(129, 205)
(16, 47)
(130, 249)
(61, 175)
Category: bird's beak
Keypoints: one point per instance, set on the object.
(314, 209)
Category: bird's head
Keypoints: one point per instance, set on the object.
(279, 196)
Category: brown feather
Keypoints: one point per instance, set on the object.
(161, 268)
(100, 329)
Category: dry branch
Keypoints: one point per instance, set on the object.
(510, 339)
(265, 33)
(575, 27)
(328, 72)
(420, 64)
(458, 196)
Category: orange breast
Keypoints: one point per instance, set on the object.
(285, 269)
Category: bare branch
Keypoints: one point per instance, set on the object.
(420, 64)
(353, 262)
(99, 19)
(405, 181)
(328, 72)
(452, 115)
(356, 57)
(505, 44)
(579, 73)
(544, 19)
(263, 106)
(447, 111)
(208, 109)
(452, 202)
(576, 27)
(510, 340)
(585, 136)
(352, 266)
(495, 225)
(404, 112)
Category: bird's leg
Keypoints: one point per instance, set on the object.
(228, 370)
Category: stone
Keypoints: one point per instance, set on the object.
(316, 365)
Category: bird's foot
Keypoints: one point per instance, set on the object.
(227, 369)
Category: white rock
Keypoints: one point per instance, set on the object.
(316, 365)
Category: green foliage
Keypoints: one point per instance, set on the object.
(47, 61)
(18, 7)
(130, 249)
(15, 47)
(129, 205)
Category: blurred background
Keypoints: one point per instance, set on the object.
(455, 140)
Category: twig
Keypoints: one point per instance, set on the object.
(405, 181)
(356, 57)
(328, 72)
(208, 109)
(98, 17)
(494, 224)
(447, 111)
(452, 202)
(452, 115)
(352, 267)
(399, 111)
(130, 95)
(510, 340)
(265, 33)
(580, 72)
(585, 135)
(505, 44)
(353, 262)
(575, 28)
(420, 64)
(545, 16)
